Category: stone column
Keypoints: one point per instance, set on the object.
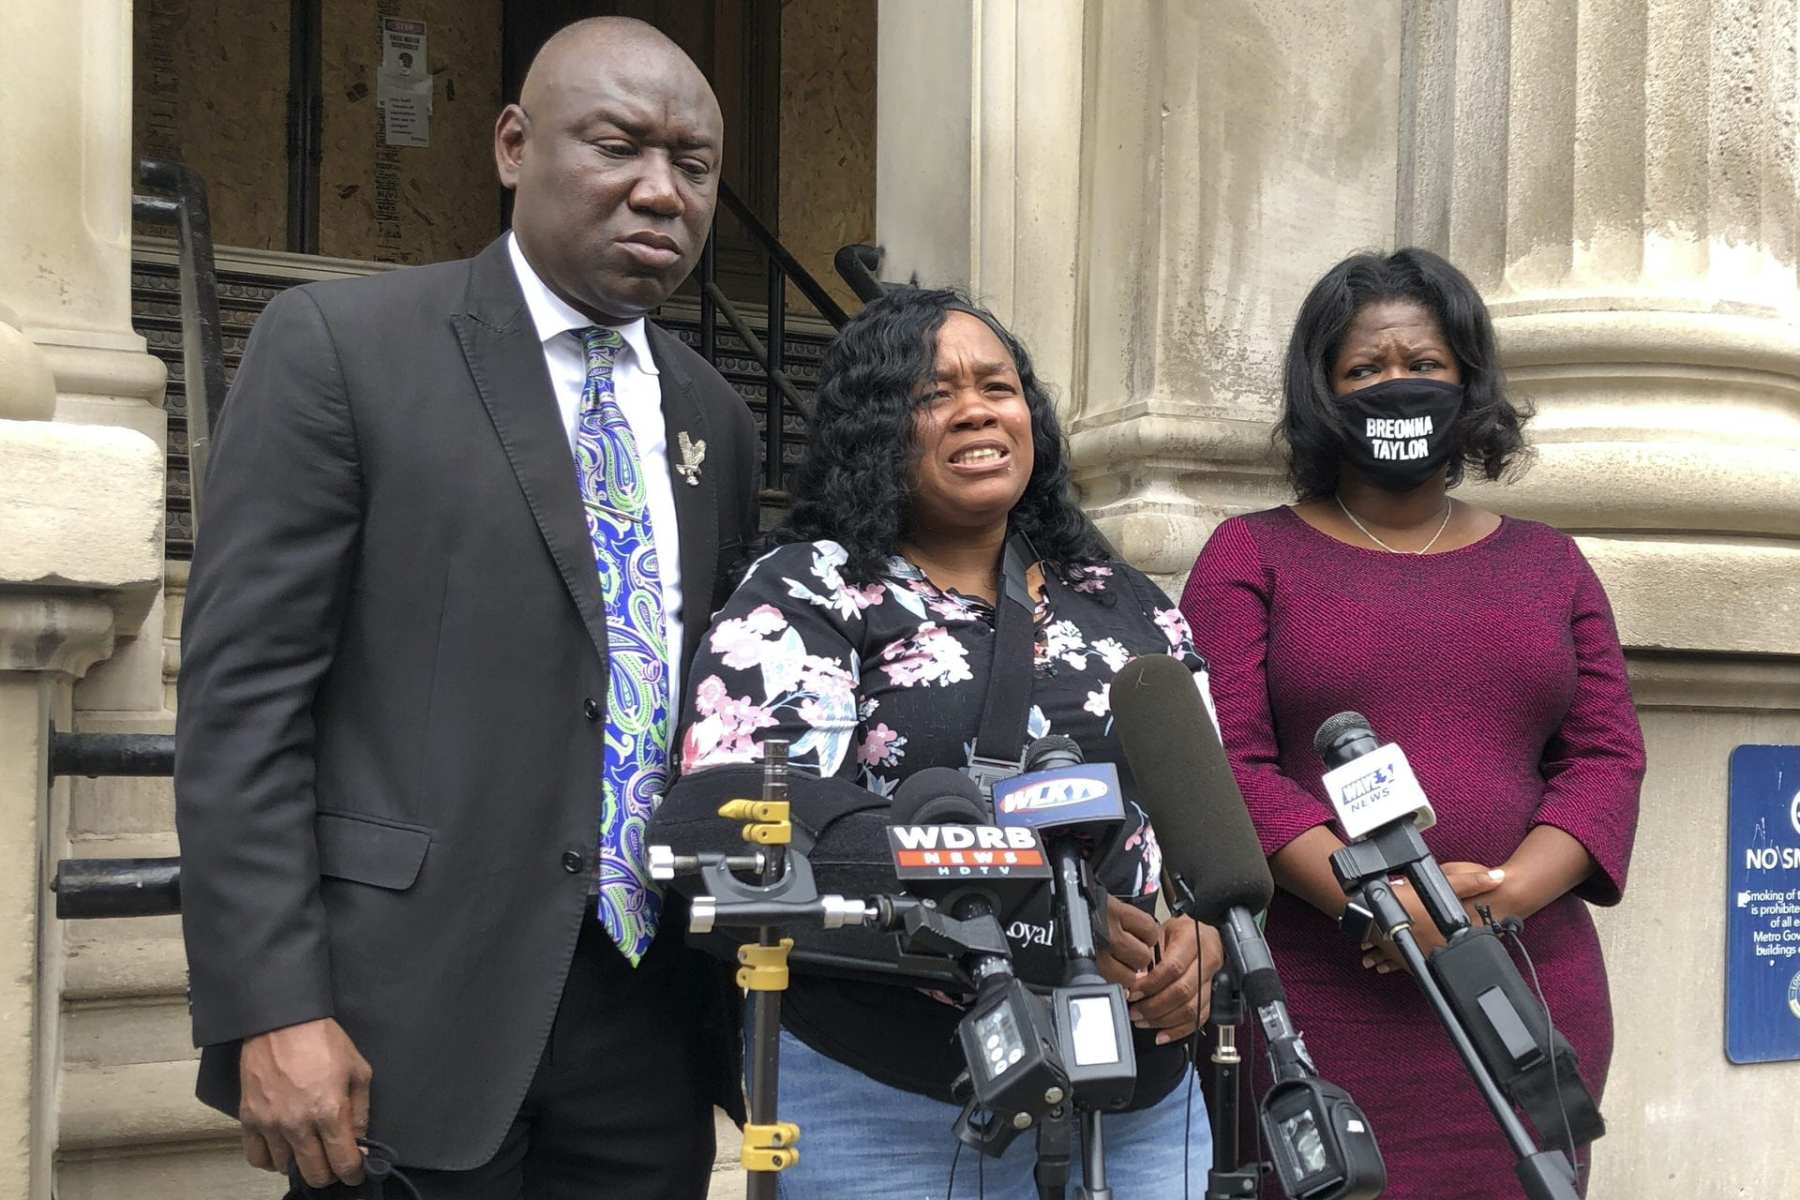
(1144, 192)
(1619, 180)
(979, 113)
(1233, 151)
(81, 494)
(78, 562)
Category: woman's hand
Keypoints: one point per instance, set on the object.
(1133, 938)
(1470, 881)
(1175, 996)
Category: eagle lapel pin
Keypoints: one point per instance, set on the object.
(693, 453)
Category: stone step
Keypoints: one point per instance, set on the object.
(137, 1130)
(211, 1169)
(215, 1170)
(123, 1032)
(136, 1104)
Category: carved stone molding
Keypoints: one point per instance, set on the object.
(27, 386)
(81, 513)
(63, 633)
(1661, 679)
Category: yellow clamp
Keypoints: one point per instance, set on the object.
(780, 833)
(767, 820)
(754, 810)
(770, 1147)
(765, 968)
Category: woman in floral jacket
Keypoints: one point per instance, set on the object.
(865, 641)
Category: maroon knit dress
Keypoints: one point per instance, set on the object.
(1497, 668)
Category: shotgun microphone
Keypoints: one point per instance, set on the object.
(1216, 873)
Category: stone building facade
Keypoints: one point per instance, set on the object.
(1144, 190)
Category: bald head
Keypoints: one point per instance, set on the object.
(611, 45)
(613, 153)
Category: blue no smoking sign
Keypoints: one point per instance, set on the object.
(1762, 919)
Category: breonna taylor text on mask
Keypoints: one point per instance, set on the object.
(1399, 439)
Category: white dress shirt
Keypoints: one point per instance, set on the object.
(639, 395)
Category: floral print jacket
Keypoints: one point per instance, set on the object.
(873, 683)
(870, 684)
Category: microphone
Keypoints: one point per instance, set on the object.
(1056, 791)
(1216, 872)
(1495, 1021)
(938, 796)
(944, 847)
(1369, 784)
(1211, 855)
(1210, 849)
(1070, 801)
(1382, 810)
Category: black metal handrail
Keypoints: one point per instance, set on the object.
(770, 354)
(97, 754)
(856, 264)
(175, 194)
(790, 266)
(114, 887)
(95, 888)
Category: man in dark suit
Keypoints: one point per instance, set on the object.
(463, 525)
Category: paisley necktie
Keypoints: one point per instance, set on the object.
(634, 770)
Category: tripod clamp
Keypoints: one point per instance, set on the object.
(768, 1147)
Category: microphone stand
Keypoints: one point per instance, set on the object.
(768, 1141)
(1052, 1174)
(1364, 868)
(1230, 1178)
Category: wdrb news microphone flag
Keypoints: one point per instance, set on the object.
(1375, 788)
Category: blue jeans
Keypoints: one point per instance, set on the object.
(860, 1138)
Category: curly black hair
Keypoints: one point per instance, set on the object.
(1489, 433)
(853, 486)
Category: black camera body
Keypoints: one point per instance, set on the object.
(1534, 1065)
(1321, 1142)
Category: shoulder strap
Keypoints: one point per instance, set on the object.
(1001, 738)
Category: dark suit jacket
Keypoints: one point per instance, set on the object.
(387, 751)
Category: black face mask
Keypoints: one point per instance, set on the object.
(1400, 433)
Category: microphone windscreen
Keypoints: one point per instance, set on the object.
(1185, 785)
(1049, 752)
(938, 796)
(1342, 737)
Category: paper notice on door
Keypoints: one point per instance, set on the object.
(404, 85)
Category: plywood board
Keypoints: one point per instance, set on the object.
(410, 204)
(210, 90)
(827, 134)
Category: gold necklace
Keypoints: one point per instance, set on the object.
(1445, 524)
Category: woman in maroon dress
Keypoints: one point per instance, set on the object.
(1482, 644)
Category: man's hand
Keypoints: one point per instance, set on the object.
(1469, 880)
(305, 1101)
(1175, 997)
(1133, 936)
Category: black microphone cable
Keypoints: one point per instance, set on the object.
(980, 1174)
(1187, 1114)
(379, 1172)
